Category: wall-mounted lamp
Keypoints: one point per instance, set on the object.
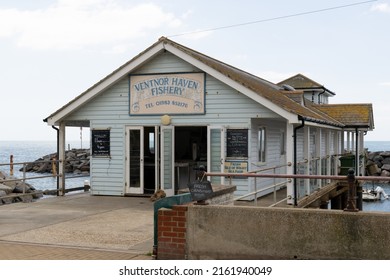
(165, 120)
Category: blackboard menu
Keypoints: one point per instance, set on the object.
(101, 142)
(200, 190)
(237, 143)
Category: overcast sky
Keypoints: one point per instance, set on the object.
(53, 50)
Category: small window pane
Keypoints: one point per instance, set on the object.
(261, 145)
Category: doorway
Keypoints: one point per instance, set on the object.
(190, 154)
(167, 157)
(142, 160)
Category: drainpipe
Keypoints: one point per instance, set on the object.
(295, 158)
(58, 152)
(357, 171)
(321, 93)
(359, 190)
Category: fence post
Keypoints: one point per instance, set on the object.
(255, 191)
(24, 178)
(54, 166)
(351, 204)
(11, 165)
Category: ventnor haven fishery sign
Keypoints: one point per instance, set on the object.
(181, 93)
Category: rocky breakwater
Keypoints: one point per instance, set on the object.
(16, 191)
(77, 161)
(378, 164)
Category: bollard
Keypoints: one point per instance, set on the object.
(351, 204)
(87, 185)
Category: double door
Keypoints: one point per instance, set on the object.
(150, 158)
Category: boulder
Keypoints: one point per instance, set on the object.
(373, 170)
(386, 167)
(385, 154)
(6, 188)
(385, 173)
(386, 160)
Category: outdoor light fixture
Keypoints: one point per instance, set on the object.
(165, 120)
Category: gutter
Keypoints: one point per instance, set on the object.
(316, 88)
(321, 93)
(295, 157)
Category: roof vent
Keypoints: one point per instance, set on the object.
(288, 87)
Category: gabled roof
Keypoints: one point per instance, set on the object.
(271, 92)
(351, 115)
(264, 92)
(302, 82)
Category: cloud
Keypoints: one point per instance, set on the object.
(382, 7)
(77, 24)
(386, 84)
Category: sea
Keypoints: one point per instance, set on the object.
(28, 151)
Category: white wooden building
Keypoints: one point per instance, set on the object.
(171, 109)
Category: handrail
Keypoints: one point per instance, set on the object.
(264, 189)
(299, 176)
(54, 174)
(290, 176)
(28, 178)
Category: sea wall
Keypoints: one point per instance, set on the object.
(77, 161)
(16, 191)
(378, 164)
(241, 232)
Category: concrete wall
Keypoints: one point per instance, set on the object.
(225, 232)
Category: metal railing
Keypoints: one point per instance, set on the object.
(54, 162)
(350, 178)
(274, 186)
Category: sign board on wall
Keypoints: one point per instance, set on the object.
(238, 167)
(237, 143)
(160, 94)
(100, 140)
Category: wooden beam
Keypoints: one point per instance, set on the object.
(317, 195)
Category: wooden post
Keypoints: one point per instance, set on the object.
(11, 165)
(54, 166)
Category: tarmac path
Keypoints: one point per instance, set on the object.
(77, 226)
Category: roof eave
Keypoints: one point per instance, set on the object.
(56, 117)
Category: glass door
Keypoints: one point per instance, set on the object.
(135, 160)
(216, 153)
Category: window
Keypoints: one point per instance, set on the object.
(261, 145)
(151, 143)
(282, 143)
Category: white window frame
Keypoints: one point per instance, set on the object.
(261, 144)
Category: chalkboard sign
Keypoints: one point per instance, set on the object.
(200, 190)
(101, 142)
(237, 143)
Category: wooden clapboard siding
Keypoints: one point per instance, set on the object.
(274, 129)
(224, 107)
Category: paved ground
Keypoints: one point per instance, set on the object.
(84, 227)
(76, 227)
